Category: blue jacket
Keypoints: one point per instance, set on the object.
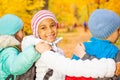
(99, 48)
(14, 62)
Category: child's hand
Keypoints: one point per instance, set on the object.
(117, 72)
(79, 50)
(42, 47)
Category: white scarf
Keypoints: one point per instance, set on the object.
(52, 44)
(31, 40)
(8, 40)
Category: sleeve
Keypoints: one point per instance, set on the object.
(117, 57)
(75, 57)
(87, 68)
(19, 63)
(26, 42)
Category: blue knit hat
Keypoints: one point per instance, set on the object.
(10, 24)
(102, 23)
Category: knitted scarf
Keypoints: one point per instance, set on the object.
(100, 48)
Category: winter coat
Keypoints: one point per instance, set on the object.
(41, 68)
(29, 75)
(12, 61)
(100, 49)
(77, 68)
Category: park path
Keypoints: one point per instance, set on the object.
(70, 41)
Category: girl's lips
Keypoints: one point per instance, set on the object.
(50, 36)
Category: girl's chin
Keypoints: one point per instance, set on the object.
(51, 40)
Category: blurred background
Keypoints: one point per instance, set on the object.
(72, 16)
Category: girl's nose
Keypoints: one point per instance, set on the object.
(50, 30)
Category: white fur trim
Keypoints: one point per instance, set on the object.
(31, 40)
(27, 41)
(7, 40)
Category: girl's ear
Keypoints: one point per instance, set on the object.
(58, 25)
(119, 30)
(19, 35)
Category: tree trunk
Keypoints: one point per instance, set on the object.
(46, 4)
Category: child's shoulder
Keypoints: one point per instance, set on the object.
(12, 48)
(8, 51)
(117, 57)
(29, 40)
(61, 51)
(28, 37)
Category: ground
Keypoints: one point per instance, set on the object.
(71, 39)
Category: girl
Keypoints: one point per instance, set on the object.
(12, 61)
(44, 28)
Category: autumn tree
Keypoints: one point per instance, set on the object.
(67, 12)
(22, 8)
(46, 5)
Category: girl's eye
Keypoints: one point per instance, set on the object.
(42, 28)
(53, 25)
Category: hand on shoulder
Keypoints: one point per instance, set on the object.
(42, 47)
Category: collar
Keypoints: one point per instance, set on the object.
(52, 44)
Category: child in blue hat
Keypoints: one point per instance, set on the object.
(12, 61)
(104, 26)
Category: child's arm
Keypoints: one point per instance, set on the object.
(88, 68)
(18, 63)
(117, 59)
(117, 72)
(79, 53)
(79, 50)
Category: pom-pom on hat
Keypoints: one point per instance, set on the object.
(10, 24)
(102, 23)
(38, 17)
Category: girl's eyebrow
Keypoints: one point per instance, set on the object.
(53, 22)
(41, 25)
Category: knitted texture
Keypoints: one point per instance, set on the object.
(38, 17)
(10, 24)
(103, 23)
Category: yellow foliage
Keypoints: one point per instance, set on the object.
(113, 5)
(67, 12)
(64, 10)
(22, 8)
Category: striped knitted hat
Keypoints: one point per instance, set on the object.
(38, 17)
(102, 23)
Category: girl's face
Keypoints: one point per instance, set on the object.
(19, 35)
(47, 30)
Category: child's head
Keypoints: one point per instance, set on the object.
(104, 23)
(11, 25)
(44, 25)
